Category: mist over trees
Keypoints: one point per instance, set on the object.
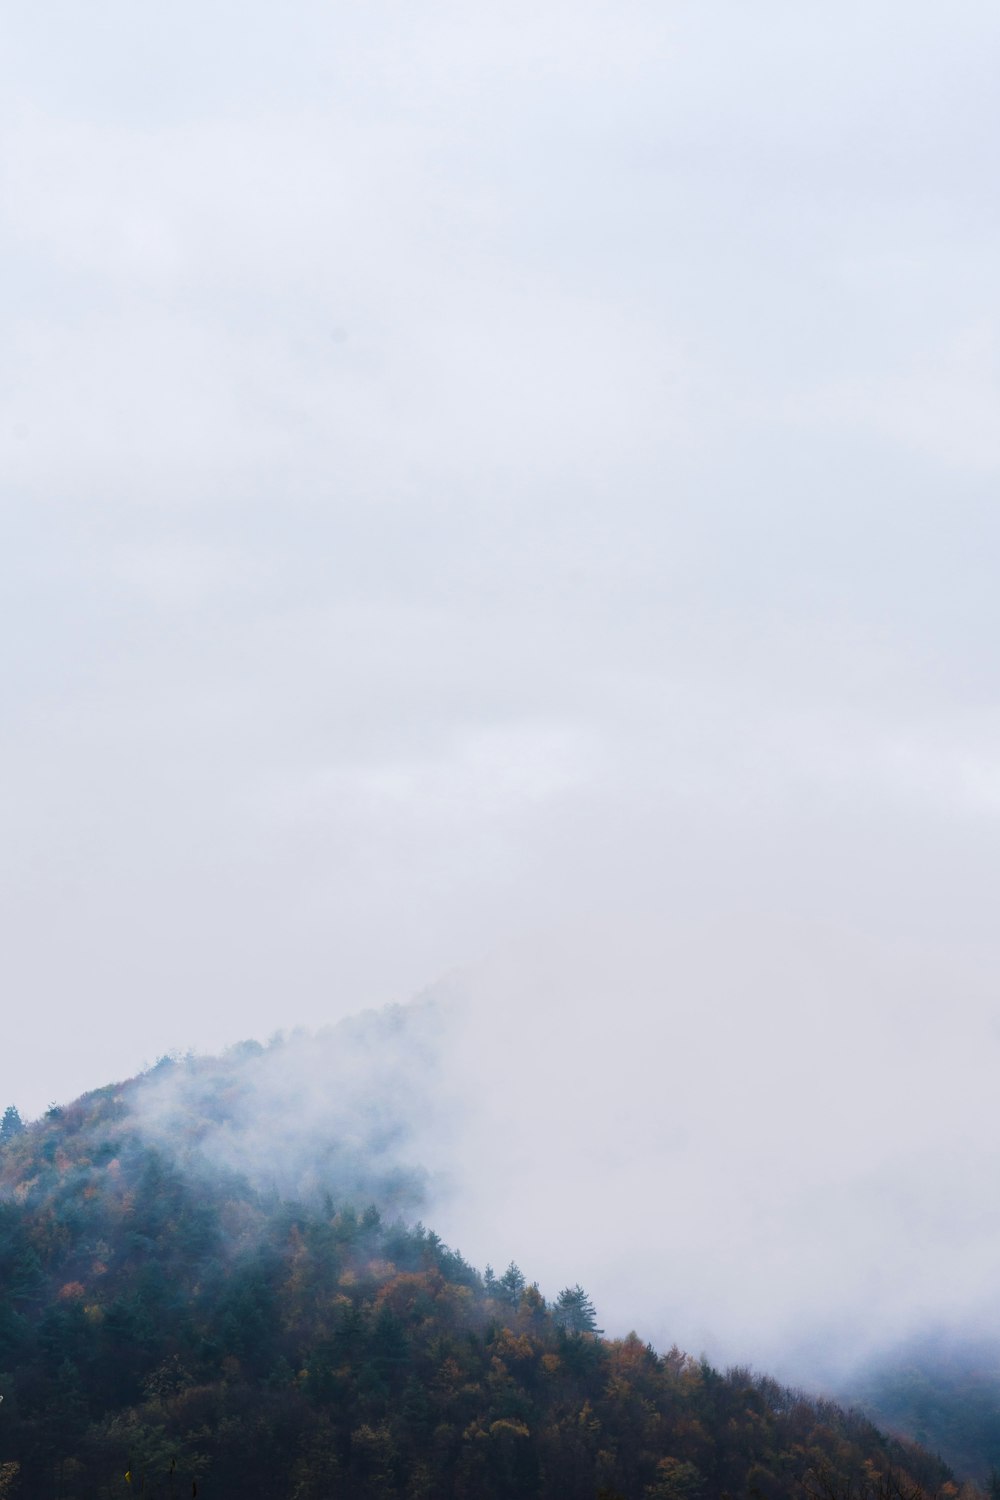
(351, 1110)
(942, 1390)
(163, 1317)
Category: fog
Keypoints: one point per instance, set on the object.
(771, 1146)
(506, 500)
(775, 1144)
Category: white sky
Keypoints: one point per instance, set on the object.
(475, 476)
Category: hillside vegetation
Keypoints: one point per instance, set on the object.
(169, 1328)
(944, 1392)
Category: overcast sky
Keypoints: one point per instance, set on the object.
(480, 477)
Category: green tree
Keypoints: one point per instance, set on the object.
(511, 1284)
(575, 1312)
(11, 1125)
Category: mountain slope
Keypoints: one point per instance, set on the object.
(165, 1318)
(943, 1391)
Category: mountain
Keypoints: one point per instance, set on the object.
(942, 1391)
(202, 1295)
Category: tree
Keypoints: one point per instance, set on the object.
(675, 1480)
(11, 1125)
(575, 1312)
(511, 1284)
(824, 1482)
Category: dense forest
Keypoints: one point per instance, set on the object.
(169, 1327)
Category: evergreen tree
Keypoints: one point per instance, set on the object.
(511, 1284)
(11, 1125)
(575, 1312)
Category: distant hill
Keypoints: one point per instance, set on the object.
(196, 1302)
(942, 1392)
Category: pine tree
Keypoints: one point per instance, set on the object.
(11, 1125)
(575, 1312)
(511, 1284)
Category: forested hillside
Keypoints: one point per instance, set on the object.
(943, 1392)
(169, 1328)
